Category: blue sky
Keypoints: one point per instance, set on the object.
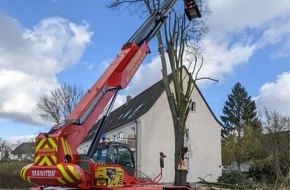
(45, 43)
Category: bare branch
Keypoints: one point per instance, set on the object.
(59, 103)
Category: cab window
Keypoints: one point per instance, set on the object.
(100, 155)
(113, 155)
(125, 157)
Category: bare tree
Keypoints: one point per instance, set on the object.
(275, 146)
(177, 38)
(4, 149)
(59, 103)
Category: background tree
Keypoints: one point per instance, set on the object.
(238, 110)
(272, 165)
(4, 149)
(59, 103)
(177, 38)
(241, 126)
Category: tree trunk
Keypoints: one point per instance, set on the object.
(180, 169)
(180, 177)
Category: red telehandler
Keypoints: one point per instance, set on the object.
(56, 160)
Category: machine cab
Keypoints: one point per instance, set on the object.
(115, 153)
(191, 9)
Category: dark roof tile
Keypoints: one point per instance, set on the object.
(24, 148)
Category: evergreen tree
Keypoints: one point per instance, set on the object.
(238, 111)
(241, 127)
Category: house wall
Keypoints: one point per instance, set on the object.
(13, 157)
(21, 157)
(205, 142)
(128, 130)
(157, 135)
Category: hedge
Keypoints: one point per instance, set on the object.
(9, 175)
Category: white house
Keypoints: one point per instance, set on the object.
(24, 151)
(144, 122)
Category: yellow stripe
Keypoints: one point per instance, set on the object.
(45, 160)
(68, 148)
(25, 169)
(36, 159)
(52, 143)
(39, 144)
(61, 181)
(65, 175)
(72, 170)
(54, 158)
(21, 172)
(65, 144)
(28, 179)
(64, 147)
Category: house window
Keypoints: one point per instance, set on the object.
(193, 107)
(120, 135)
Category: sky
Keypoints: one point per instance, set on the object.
(46, 43)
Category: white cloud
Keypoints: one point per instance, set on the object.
(19, 139)
(235, 16)
(120, 100)
(238, 28)
(58, 43)
(275, 95)
(277, 31)
(221, 59)
(30, 59)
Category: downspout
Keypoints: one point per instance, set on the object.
(138, 144)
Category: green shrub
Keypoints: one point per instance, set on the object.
(232, 177)
(9, 175)
(237, 178)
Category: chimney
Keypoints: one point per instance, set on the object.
(129, 98)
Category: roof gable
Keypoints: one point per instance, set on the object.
(24, 148)
(204, 100)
